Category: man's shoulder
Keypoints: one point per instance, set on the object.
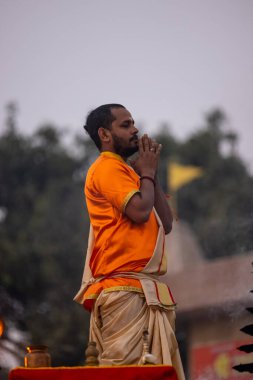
(106, 170)
(107, 166)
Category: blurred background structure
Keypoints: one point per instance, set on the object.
(185, 72)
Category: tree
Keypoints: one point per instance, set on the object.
(169, 150)
(42, 241)
(218, 205)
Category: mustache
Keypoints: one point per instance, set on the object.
(134, 138)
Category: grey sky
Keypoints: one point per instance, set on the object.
(165, 60)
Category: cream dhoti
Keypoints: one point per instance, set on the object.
(119, 316)
(117, 323)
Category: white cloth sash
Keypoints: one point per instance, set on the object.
(156, 292)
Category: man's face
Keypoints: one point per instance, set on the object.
(124, 133)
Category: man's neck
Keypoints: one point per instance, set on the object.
(103, 150)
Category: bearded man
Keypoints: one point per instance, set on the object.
(129, 217)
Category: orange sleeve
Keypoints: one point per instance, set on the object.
(116, 181)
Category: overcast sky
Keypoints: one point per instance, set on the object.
(165, 60)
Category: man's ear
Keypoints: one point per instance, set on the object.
(104, 135)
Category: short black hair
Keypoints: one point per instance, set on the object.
(100, 117)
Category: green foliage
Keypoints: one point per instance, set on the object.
(219, 205)
(42, 241)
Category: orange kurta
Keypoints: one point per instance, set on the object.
(120, 245)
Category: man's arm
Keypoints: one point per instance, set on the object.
(140, 205)
(151, 194)
(162, 208)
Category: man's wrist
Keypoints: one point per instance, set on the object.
(148, 173)
(149, 178)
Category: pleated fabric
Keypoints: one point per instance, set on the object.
(118, 320)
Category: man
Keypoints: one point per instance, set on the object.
(129, 217)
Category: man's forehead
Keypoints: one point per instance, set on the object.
(121, 114)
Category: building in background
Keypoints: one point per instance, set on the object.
(212, 298)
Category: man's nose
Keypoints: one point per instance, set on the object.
(135, 130)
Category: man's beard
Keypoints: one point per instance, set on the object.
(122, 151)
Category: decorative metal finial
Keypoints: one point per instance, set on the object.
(147, 357)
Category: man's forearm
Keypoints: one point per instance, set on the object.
(162, 208)
(141, 204)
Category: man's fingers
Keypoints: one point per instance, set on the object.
(140, 145)
(145, 142)
(155, 146)
(152, 145)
